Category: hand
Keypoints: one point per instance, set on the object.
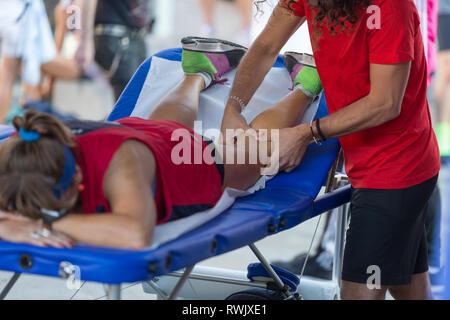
(234, 121)
(292, 144)
(85, 53)
(20, 230)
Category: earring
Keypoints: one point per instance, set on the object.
(81, 187)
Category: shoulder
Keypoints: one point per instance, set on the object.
(132, 167)
(132, 152)
(398, 8)
(395, 15)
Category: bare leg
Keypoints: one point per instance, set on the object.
(442, 90)
(62, 68)
(60, 32)
(419, 289)
(207, 7)
(181, 103)
(286, 113)
(8, 73)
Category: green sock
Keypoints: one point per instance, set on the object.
(194, 62)
(308, 81)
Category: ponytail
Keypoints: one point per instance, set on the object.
(30, 169)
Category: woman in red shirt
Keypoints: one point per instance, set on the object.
(371, 61)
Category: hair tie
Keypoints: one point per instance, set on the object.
(29, 136)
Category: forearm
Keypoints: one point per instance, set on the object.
(109, 230)
(363, 114)
(250, 74)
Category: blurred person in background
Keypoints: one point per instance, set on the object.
(61, 18)
(27, 45)
(209, 30)
(442, 89)
(320, 264)
(113, 34)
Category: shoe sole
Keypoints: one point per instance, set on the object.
(301, 58)
(210, 45)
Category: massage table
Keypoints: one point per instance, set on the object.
(286, 201)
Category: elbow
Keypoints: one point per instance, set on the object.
(387, 108)
(139, 238)
(392, 110)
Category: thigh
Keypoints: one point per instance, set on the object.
(243, 162)
(9, 70)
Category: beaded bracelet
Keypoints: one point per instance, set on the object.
(238, 100)
(316, 140)
(322, 136)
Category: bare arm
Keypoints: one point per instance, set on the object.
(382, 104)
(127, 186)
(18, 229)
(258, 61)
(86, 50)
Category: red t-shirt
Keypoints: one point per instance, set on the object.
(402, 152)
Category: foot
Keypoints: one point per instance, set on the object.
(211, 57)
(304, 75)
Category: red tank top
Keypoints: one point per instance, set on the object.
(181, 189)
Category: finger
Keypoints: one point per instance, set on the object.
(289, 169)
(66, 241)
(51, 241)
(35, 242)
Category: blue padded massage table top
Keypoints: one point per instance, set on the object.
(287, 201)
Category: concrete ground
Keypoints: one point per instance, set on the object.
(94, 100)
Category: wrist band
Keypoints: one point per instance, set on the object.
(238, 100)
(322, 136)
(316, 140)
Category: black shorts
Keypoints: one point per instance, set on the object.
(387, 233)
(443, 32)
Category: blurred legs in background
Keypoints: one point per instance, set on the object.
(8, 72)
(245, 9)
(28, 49)
(442, 89)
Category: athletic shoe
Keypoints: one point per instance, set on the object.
(314, 266)
(211, 56)
(301, 68)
